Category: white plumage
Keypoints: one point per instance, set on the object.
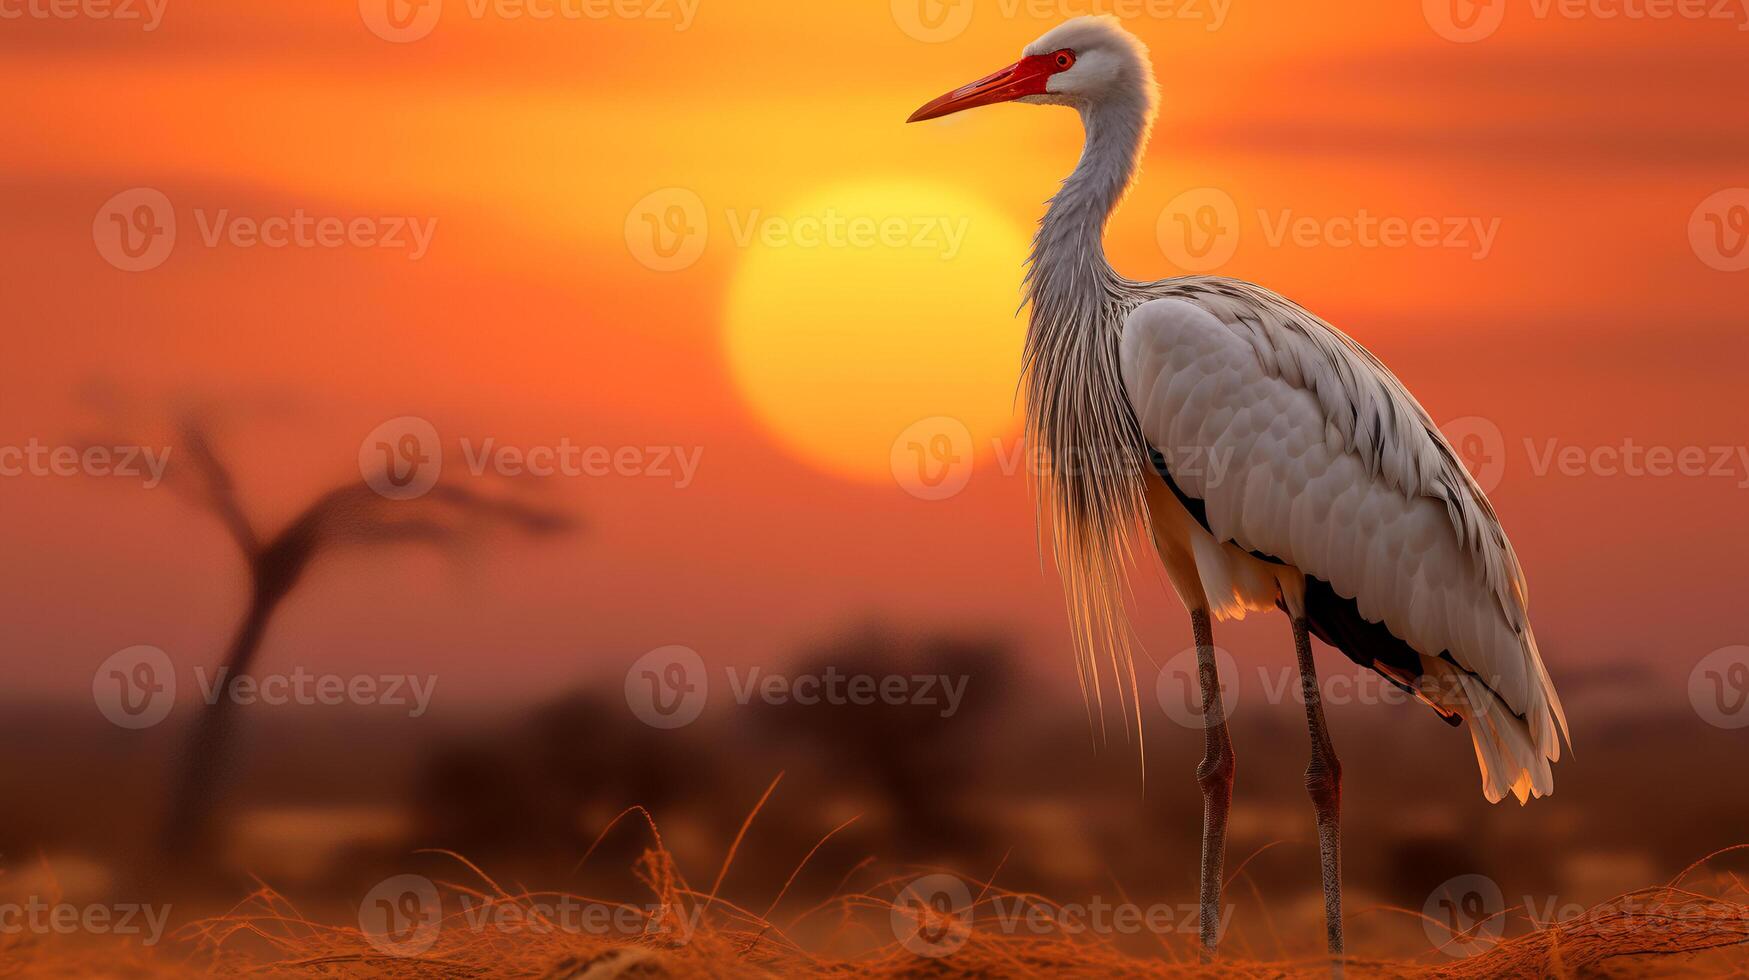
(1327, 464)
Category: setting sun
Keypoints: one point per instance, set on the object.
(863, 308)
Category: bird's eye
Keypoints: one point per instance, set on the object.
(1065, 59)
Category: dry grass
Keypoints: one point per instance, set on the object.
(1679, 929)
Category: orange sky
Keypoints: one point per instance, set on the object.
(1586, 143)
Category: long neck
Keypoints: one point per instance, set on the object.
(1068, 270)
(1076, 409)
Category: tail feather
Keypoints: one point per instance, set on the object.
(1547, 712)
(1512, 752)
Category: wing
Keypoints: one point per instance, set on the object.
(1317, 456)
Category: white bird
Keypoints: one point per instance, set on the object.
(1339, 501)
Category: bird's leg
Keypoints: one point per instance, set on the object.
(1215, 776)
(1324, 783)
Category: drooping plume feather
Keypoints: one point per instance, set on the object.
(1077, 412)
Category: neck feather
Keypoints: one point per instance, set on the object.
(1068, 264)
(1077, 413)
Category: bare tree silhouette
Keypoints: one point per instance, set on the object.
(351, 515)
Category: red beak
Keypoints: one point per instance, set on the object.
(1027, 76)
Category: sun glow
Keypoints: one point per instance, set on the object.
(864, 308)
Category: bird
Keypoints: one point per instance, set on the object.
(1339, 502)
